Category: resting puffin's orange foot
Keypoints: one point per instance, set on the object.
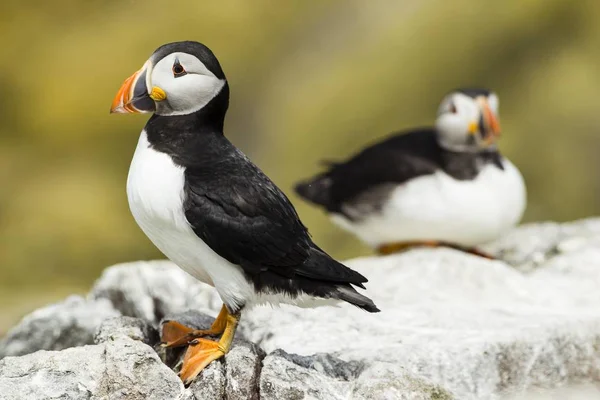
(390, 248)
(199, 354)
(396, 247)
(477, 252)
(175, 334)
(466, 249)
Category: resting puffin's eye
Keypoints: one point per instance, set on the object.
(178, 70)
(452, 108)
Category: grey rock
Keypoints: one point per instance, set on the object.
(127, 327)
(74, 373)
(526, 246)
(72, 322)
(533, 245)
(326, 364)
(153, 289)
(584, 391)
(115, 370)
(242, 369)
(475, 327)
(211, 383)
(385, 381)
(290, 376)
(452, 326)
(134, 371)
(282, 378)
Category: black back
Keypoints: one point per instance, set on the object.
(395, 160)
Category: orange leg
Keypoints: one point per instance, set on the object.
(390, 248)
(175, 334)
(202, 352)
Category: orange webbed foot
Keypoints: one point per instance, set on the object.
(176, 334)
(199, 354)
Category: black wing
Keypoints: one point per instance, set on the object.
(242, 216)
(394, 160)
(246, 220)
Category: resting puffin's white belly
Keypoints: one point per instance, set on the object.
(155, 194)
(439, 207)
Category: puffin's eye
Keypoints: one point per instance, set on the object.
(178, 70)
(452, 108)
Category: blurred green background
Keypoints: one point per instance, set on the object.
(310, 80)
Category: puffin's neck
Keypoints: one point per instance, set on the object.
(187, 137)
(213, 114)
(467, 165)
(210, 118)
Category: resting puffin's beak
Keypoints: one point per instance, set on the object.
(489, 122)
(133, 96)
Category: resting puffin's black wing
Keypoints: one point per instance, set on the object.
(395, 160)
(242, 216)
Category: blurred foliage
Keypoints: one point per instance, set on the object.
(310, 80)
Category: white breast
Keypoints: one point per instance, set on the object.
(155, 193)
(439, 207)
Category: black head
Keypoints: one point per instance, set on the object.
(473, 92)
(196, 49)
(179, 78)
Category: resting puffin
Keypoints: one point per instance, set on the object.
(210, 210)
(448, 185)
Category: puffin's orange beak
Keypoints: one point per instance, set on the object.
(490, 125)
(491, 120)
(133, 95)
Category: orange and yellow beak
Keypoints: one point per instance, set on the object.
(133, 96)
(491, 121)
(488, 124)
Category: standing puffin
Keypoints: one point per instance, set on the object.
(448, 185)
(210, 210)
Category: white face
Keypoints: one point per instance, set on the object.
(187, 83)
(458, 122)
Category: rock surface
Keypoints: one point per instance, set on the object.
(533, 245)
(127, 327)
(452, 326)
(478, 328)
(70, 323)
(151, 290)
(120, 369)
(243, 366)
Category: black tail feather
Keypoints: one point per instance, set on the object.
(329, 163)
(350, 295)
(322, 267)
(316, 190)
